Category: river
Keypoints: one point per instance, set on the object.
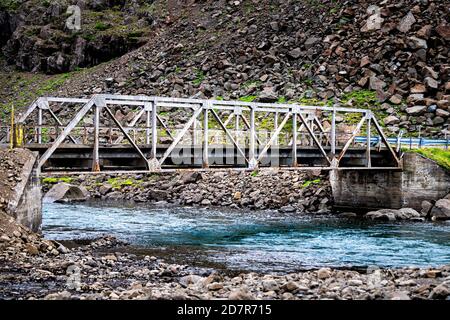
(264, 241)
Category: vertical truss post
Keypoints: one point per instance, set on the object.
(205, 162)
(333, 133)
(294, 137)
(99, 103)
(275, 122)
(311, 124)
(252, 163)
(368, 156)
(194, 134)
(236, 125)
(153, 163)
(148, 122)
(39, 133)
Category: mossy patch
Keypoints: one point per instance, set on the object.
(247, 98)
(307, 183)
(119, 183)
(54, 180)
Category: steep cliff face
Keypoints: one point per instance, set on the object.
(47, 36)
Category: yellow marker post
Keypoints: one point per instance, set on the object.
(11, 138)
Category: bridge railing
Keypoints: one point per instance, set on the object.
(253, 129)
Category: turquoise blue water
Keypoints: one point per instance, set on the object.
(260, 241)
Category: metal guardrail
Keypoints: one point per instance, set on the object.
(408, 142)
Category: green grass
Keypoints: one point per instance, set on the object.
(440, 156)
(313, 102)
(25, 87)
(254, 173)
(101, 26)
(367, 99)
(281, 100)
(309, 82)
(361, 98)
(307, 183)
(53, 83)
(251, 83)
(10, 5)
(199, 77)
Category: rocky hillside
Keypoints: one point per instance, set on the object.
(392, 58)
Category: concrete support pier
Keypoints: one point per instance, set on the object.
(421, 179)
(24, 197)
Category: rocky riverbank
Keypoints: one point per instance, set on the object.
(34, 268)
(287, 191)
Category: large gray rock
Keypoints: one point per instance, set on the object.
(406, 214)
(441, 210)
(406, 23)
(416, 110)
(383, 214)
(191, 177)
(393, 214)
(64, 192)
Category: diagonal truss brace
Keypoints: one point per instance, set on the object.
(127, 136)
(274, 136)
(180, 135)
(311, 133)
(228, 133)
(83, 111)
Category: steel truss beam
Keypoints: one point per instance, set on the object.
(149, 106)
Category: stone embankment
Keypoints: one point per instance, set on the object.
(288, 191)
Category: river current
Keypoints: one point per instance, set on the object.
(264, 241)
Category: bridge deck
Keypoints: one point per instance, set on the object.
(79, 158)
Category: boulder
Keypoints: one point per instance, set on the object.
(444, 31)
(64, 192)
(240, 294)
(400, 295)
(441, 210)
(406, 214)
(442, 291)
(268, 95)
(426, 208)
(393, 214)
(191, 279)
(310, 42)
(416, 110)
(324, 273)
(406, 23)
(383, 214)
(295, 53)
(191, 177)
(391, 120)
